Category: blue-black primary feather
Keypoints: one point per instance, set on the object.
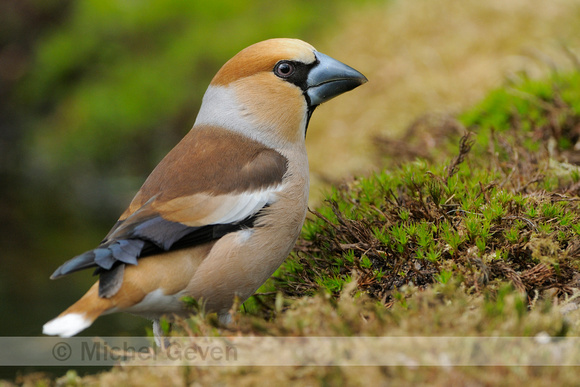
(154, 236)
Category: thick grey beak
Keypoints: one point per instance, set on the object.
(330, 78)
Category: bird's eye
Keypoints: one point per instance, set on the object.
(284, 69)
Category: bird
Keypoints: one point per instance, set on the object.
(224, 208)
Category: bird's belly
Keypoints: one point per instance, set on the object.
(241, 262)
(157, 303)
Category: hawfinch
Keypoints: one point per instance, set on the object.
(224, 208)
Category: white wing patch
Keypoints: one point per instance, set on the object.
(203, 209)
(244, 205)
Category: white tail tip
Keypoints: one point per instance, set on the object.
(66, 326)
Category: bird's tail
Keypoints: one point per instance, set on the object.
(78, 316)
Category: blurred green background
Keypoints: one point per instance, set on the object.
(92, 96)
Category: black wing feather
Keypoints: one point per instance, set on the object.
(143, 242)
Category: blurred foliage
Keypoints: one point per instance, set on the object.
(535, 100)
(92, 95)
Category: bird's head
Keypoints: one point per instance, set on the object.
(269, 90)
